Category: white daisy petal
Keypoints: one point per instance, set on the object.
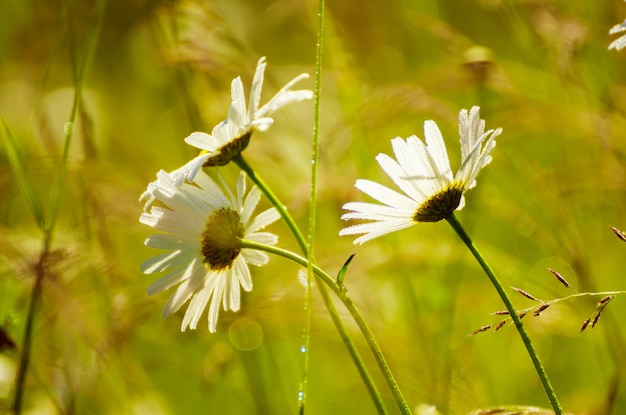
(263, 219)
(159, 263)
(197, 305)
(232, 294)
(437, 149)
(242, 272)
(178, 275)
(257, 258)
(257, 85)
(371, 211)
(201, 140)
(250, 204)
(214, 308)
(199, 244)
(421, 169)
(183, 292)
(384, 195)
(265, 238)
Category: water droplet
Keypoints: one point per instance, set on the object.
(302, 349)
(300, 395)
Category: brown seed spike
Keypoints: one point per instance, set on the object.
(604, 301)
(540, 309)
(584, 326)
(480, 330)
(525, 294)
(620, 234)
(560, 278)
(501, 313)
(596, 317)
(499, 325)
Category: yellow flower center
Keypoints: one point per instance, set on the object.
(229, 151)
(440, 205)
(220, 239)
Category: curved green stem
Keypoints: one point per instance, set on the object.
(354, 312)
(282, 210)
(545, 381)
(343, 332)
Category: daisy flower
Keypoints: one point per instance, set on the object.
(422, 171)
(231, 136)
(620, 42)
(201, 227)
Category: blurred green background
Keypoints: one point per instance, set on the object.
(162, 69)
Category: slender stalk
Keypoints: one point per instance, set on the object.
(354, 312)
(27, 340)
(543, 376)
(308, 302)
(55, 198)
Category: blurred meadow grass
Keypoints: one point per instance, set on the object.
(538, 69)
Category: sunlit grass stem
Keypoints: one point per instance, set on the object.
(54, 206)
(308, 302)
(293, 227)
(543, 376)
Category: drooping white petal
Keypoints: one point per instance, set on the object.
(243, 277)
(197, 304)
(256, 258)
(173, 278)
(214, 307)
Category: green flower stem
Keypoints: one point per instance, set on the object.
(282, 210)
(343, 332)
(354, 312)
(545, 381)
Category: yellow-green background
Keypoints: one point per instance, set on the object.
(163, 69)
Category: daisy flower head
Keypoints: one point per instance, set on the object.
(620, 42)
(422, 171)
(201, 226)
(231, 136)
